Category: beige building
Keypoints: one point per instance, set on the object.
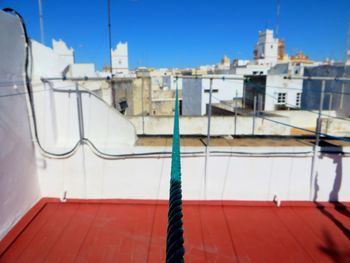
(145, 94)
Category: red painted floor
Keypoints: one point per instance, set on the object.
(214, 232)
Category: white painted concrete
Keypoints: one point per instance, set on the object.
(46, 63)
(220, 125)
(229, 177)
(58, 126)
(57, 112)
(105, 126)
(302, 118)
(224, 125)
(81, 71)
(19, 185)
(61, 49)
(57, 117)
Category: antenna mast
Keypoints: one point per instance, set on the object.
(278, 17)
(110, 36)
(41, 17)
(347, 46)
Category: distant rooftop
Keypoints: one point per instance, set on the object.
(240, 142)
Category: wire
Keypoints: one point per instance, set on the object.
(153, 153)
(30, 91)
(296, 127)
(301, 89)
(99, 153)
(322, 114)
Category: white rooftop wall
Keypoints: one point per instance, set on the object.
(58, 120)
(61, 49)
(81, 70)
(19, 184)
(46, 63)
(57, 115)
(229, 177)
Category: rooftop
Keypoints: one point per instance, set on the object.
(258, 141)
(135, 231)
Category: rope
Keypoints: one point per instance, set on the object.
(175, 250)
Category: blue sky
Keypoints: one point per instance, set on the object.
(180, 33)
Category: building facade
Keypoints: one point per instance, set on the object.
(120, 59)
(266, 49)
(336, 93)
(196, 92)
(277, 90)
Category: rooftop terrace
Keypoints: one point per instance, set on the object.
(135, 231)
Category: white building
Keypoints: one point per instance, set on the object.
(195, 93)
(266, 50)
(282, 92)
(120, 59)
(275, 91)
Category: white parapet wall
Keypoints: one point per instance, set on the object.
(61, 49)
(229, 176)
(276, 123)
(57, 115)
(46, 62)
(220, 125)
(56, 105)
(19, 185)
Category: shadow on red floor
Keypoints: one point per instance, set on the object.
(135, 231)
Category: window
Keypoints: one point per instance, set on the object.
(281, 97)
(298, 99)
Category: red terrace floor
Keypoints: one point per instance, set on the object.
(126, 231)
